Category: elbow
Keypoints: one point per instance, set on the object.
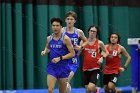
(130, 58)
(73, 54)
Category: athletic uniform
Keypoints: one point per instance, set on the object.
(57, 49)
(113, 63)
(73, 62)
(90, 66)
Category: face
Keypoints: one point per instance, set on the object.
(56, 27)
(92, 32)
(114, 39)
(70, 21)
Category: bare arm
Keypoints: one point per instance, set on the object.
(104, 50)
(46, 50)
(83, 38)
(123, 50)
(125, 53)
(80, 51)
(68, 43)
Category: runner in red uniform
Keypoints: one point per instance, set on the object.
(113, 63)
(92, 60)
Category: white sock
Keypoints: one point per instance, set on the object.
(68, 87)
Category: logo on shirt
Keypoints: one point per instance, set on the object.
(74, 40)
(55, 46)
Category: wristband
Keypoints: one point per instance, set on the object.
(124, 67)
(61, 58)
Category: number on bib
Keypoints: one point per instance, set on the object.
(114, 53)
(74, 60)
(94, 54)
(115, 79)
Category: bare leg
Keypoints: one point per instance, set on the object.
(111, 88)
(62, 85)
(90, 88)
(51, 83)
(68, 89)
(70, 76)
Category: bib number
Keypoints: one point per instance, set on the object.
(74, 60)
(93, 54)
(114, 53)
(115, 79)
(98, 76)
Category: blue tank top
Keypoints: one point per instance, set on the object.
(74, 36)
(57, 48)
(75, 40)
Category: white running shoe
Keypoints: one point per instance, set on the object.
(68, 88)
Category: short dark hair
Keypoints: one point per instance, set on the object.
(57, 20)
(119, 38)
(97, 27)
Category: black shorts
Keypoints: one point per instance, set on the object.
(109, 78)
(91, 76)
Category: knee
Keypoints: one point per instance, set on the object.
(111, 89)
(111, 85)
(91, 87)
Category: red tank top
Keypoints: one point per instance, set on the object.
(113, 62)
(91, 56)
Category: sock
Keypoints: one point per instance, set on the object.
(68, 87)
